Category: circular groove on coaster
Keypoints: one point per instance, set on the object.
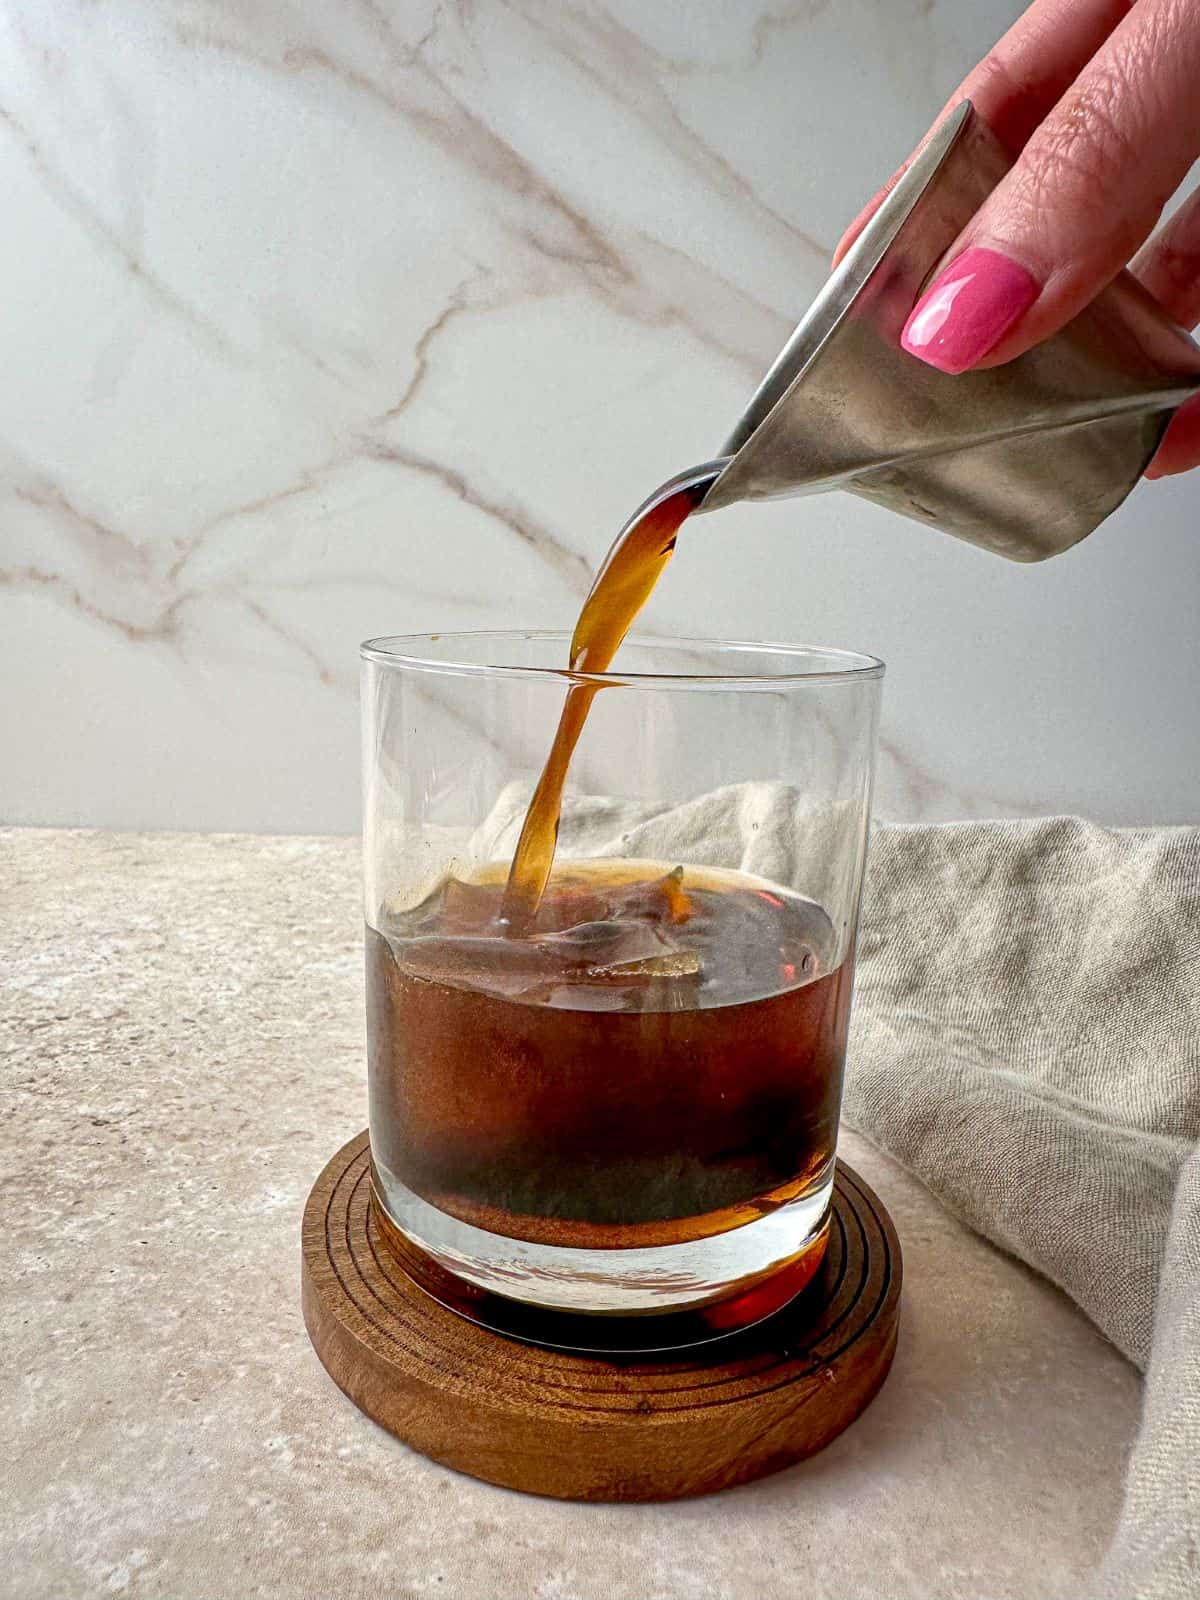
(585, 1427)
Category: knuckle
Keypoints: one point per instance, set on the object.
(1082, 163)
(1179, 266)
(1173, 260)
(1085, 141)
(990, 79)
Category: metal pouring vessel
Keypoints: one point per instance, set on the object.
(1024, 459)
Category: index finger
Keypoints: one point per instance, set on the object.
(1020, 79)
(1085, 192)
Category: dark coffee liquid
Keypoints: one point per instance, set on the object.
(657, 1059)
(622, 586)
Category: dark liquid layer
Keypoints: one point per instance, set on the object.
(658, 1059)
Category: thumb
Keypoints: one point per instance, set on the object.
(1086, 191)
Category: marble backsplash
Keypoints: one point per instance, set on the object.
(333, 320)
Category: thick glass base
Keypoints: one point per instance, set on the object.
(631, 1300)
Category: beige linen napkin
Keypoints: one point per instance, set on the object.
(1026, 1039)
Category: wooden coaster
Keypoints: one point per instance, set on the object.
(581, 1427)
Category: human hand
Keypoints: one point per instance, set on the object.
(1098, 101)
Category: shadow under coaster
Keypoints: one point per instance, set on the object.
(594, 1427)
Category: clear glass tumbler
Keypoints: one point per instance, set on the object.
(614, 1127)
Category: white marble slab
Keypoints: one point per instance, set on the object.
(326, 321)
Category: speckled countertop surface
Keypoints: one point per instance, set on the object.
(182, 1048)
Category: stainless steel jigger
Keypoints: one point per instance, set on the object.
(1024, 459)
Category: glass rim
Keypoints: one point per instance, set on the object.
(404, 651)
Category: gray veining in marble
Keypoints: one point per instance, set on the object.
(182, 1050)
(334, 321)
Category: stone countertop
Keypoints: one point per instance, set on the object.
(183, 1051)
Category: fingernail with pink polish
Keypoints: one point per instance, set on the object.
(968, 309)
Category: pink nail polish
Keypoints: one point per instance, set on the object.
(967, 310)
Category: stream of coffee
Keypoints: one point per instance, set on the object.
(622, 586)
